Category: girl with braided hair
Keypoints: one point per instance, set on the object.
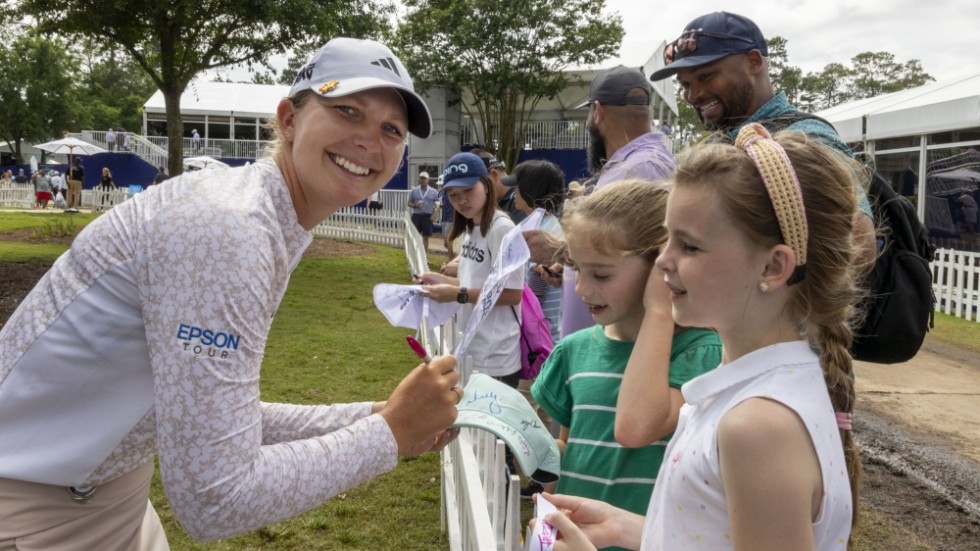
(759, 249)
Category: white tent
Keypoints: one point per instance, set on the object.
(934, 107)
(223, 98)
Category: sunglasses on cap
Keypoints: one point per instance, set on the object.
(687, 44)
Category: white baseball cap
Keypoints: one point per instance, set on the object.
(347, 65)
(424, 174)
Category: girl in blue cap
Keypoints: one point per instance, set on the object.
(495, 349)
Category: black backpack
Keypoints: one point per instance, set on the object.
(900, 301)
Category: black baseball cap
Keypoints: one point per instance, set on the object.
(710, 38)
(612, 87)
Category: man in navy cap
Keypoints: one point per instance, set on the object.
(721, 63)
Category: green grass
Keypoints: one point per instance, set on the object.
(29, 219)
(42, 225)
(957, 332)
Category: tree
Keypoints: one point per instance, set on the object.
(877, 73)
(826, 88)
(112, 89)
(785, 77)
(507, 55)
(35, 91)
(174, 40)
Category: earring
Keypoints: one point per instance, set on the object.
(764, 287)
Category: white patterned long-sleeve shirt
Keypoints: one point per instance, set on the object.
(147, 338)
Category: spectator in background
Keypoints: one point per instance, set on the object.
(42, 188)
(105, 185)
(196, 140)
(5, 181)
(110, 140)
(76, 179)
(57, 185)
(161, 175)
(422, 200)
(122, 138)
(447, 215)
(21, 177)
(622, 146)
(541, 184)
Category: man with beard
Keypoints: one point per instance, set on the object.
(622, 146)
(721, 63)
(621, 143)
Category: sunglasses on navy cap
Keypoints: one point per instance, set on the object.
(687, 43)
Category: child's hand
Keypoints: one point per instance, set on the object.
(441, 292)
(583, 523)
(656, 296)
(431, 278)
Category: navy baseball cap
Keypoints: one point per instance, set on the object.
(347, 65)
(710, 38)
(612, 87)
(463, 170)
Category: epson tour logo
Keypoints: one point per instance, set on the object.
(198, 340)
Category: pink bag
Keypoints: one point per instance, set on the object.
(536, 343)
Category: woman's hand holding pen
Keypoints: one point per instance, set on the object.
(423, 406)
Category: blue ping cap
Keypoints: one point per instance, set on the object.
(463, 170)
(491, 405)
(718, 35)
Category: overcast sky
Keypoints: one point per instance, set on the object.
(944, 35)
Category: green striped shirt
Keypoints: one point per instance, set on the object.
(579, 385)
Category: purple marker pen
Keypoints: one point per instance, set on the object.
(418, 349)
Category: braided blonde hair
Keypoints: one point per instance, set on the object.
(824, 301)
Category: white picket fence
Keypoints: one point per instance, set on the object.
(19, 196)
(956, 283)
(480, 506)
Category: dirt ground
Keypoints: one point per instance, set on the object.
(918, 424)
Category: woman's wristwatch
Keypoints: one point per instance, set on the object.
(463, 297)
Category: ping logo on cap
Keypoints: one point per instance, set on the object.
(461, 168)
(387, 63)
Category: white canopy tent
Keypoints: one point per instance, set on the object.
(223, 98)
(934, 107)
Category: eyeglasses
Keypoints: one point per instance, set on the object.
(687, 44)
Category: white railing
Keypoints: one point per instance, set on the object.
(383, 227)
(956, 279)
(480, 504)
(98, 200)
(243, 149)
(539, 135)
(142, 147)
(20, 196)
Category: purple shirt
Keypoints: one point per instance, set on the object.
(647, 158)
